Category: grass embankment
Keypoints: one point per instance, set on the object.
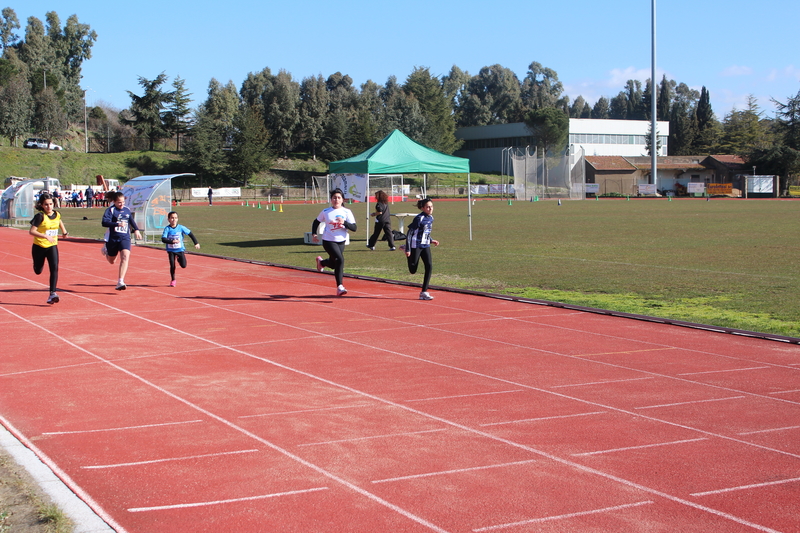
(728, 263)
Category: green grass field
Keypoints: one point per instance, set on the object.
(725, 262)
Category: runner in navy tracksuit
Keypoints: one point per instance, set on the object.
(418, 244)
(119, 221)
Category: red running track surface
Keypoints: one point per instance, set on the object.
(249, 398)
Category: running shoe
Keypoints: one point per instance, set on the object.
(121, 286)
(371, 247)
(341, 291)
(319, 264)
(173, 283)
(53, 298)
(425, 295)
(392, 249)
(104, 251)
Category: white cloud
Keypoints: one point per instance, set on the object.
(737, 70)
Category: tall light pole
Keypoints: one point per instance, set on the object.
(85, 123)
(653, 99)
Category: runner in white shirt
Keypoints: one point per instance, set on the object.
(338, 220)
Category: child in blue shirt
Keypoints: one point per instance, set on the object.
(173, 238)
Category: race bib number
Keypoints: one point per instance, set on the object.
(51, 232)
(122, 226)
(174, 245)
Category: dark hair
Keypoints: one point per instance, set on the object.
(171, 213)
(421, 203)
(44, 195)
(382, 197)
(116, 195)
(337, 189)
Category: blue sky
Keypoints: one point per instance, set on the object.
(734, 48)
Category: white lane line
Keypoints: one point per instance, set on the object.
(127, 428)
(153, 461)
(542, 418)
(220, 502)
(386, 436)
(464, 395)
(724, 371)
(599, 382)
(356, 406)
(785, 391)
(769, 430)
(691, 402)
(563, 516)
(459, 470)
(656, 445)
(745, 487)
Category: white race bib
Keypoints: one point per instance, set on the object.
(51, 232)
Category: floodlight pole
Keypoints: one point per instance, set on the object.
(653, 99)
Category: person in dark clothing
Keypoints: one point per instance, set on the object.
(418, 244)
(382, 221)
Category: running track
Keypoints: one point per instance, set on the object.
(248, 398)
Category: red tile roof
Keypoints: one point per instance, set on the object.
(609, 162)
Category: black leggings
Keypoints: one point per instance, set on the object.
(181, 257)
(336, 260)
(386, 227)
(51, 254)
(427, 260)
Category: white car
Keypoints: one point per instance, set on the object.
(35, 142)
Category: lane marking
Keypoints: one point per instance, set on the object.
(769, 430)
(126, 428)
(600, 382)
(724, 371)
(745, 487)
(785, 391)
(542, 418)
(643, 446)
(220, 502)
(563, 516)
(371, 437)
(464, 395)
(356, 406)
(691, 402)
(456, 471)
(153, 461)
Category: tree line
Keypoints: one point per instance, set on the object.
(236, 132)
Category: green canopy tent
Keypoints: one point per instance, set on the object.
(397, 154)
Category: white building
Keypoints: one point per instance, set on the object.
(485, 146)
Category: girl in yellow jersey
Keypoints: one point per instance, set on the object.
(44, 228)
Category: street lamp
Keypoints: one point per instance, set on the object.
(85, 123)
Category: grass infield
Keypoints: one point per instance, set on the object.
(725, 262)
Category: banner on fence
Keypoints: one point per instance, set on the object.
(353, 185)
(647, 188)
(695, 188)
(218, 193)
(720, 188)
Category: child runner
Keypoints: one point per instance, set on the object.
(337, 220)
(382, 221)
(173, 238)
(44, 228)
(418, 244)
(119, 221)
